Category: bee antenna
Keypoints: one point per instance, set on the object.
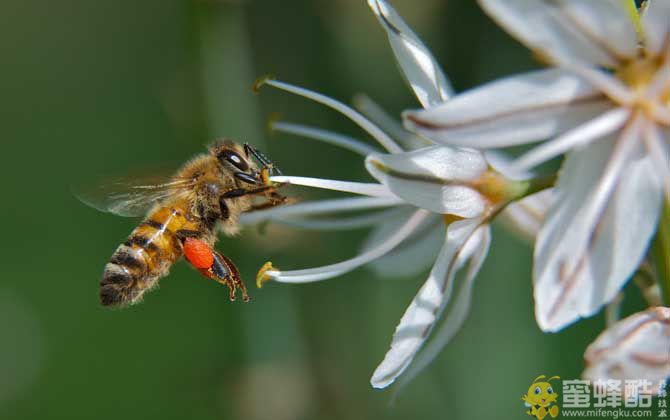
(260, 157)
(552, 378)
(538, 378)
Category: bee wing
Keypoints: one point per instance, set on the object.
(131, 197)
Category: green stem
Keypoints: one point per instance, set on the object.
(538, 184)
(661, 252)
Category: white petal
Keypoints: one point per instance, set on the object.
(660, 82)
(615, 90)
(656, 24)
(418, 65)
(568, 32)
(595, 236)
(433, 178)
(413, 256)
(503, 163)
(337, 205)
(659, 151)
(515, 110)
(606, 23)
(333, 270)
(635, 348)
(363, 188)
(423, 312)
(456, 313)
(526, 216)
(577, 137)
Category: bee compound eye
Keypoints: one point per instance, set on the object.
(233, 158)
(537, 390)
(550, 390)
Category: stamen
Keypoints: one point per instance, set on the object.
(319, 207)
(334, 270)
(377, 115)
(356, 117)
(362, 188)
(325, 136)
(341, 223)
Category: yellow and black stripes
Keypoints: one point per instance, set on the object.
(146, 256)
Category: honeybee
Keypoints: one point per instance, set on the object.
(185, 213)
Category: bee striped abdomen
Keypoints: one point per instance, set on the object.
(138, 264)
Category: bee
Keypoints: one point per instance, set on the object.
(540, 397)
(185, 213)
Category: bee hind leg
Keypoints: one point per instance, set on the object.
(224, 271)
(214, 266)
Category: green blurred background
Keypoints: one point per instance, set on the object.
(92, 87)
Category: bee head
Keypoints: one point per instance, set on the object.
(230, 154)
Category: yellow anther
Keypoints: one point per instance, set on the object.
(262, 276)
(258, 84)
(265, 175)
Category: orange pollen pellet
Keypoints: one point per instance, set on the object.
(198, 253)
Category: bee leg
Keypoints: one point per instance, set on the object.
(239, 192)
(225, 272)
(273, 201)
(214, 266)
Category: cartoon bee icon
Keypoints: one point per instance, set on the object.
(540, 398)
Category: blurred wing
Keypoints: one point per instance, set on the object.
(131, 197)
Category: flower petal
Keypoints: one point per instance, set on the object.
(515, 110)
(568, 32)
(418, 65)
(574, 138)
(659, 151)
(457, 313)
(423, 312)
(414, 255)
(633, 348)
(597, 233)
(656, 24)
(433, 178)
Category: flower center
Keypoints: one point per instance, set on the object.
(638, 73)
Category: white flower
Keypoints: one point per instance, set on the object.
(606, 101)
(432, 185)
(633, 348)
(424, 185)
